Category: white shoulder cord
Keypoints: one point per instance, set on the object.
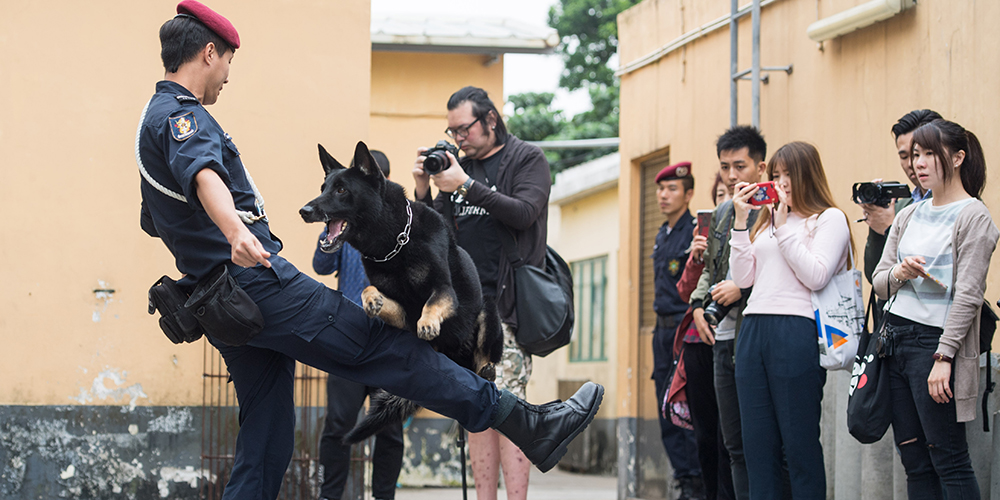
(246, 217)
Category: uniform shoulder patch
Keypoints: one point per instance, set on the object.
(183, 126)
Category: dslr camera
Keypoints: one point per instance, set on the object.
(879, 193)
(715, 312)
(437, 159)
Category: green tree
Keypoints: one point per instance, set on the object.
(589, 33)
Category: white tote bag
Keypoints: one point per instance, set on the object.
(839, 310)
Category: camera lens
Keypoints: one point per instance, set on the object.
(868, 193)
(436, 161)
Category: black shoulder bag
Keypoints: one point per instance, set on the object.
(544, 298)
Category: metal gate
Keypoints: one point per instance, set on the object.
(220, 424)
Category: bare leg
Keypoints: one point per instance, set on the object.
(484, 451)
(516, 469)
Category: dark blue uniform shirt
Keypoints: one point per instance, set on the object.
(177, 139)
(669, 257)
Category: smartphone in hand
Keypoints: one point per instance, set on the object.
(766, 194)
(704, 220)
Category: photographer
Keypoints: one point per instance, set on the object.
(741, 151)
(880, 218)
(500, 184)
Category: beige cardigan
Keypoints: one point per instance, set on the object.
(973, 241)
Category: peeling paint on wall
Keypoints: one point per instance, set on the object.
(104, 294)
(99, 452)
(100, 391)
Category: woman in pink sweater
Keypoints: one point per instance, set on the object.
(794, 248)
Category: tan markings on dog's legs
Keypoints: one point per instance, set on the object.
(392, 313)
(438, 308)
(378, 305)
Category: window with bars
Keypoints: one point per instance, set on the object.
(589, 291)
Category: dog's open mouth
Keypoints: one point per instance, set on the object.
(334, 236)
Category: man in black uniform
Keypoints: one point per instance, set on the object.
(198, 198)
(674, 189)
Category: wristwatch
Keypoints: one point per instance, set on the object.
(459, 195)
(464, 188)
(941, 357)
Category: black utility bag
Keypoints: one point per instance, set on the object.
(869, 404)
(544, 300)
(218, 306)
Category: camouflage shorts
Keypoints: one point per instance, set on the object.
(514, 369)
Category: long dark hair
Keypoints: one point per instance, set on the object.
(810, 191)
(945, 138)
(482, 106)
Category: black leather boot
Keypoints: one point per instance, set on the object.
(543, 432)
(691, 488)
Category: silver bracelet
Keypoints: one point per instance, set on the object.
(893, 276)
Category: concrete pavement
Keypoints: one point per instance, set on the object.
(554, 485)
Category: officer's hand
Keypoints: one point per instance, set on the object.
(726, 292)
(247, 250)
(698, 246)
(420, 178)
(449, 179)
(878, 219)
(704, 330)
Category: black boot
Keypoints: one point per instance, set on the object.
(691, 488)
(543, 432)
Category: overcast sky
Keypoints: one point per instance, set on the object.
(522, 72)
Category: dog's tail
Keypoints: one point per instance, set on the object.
(489, 348)
(384, 409)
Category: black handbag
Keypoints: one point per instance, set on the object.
(544, 298)
(869, 404)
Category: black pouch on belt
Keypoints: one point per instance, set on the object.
(224, 310)
(176, 321)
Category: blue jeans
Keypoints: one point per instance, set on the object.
(930, 441)
(306, 321)
(780, 386)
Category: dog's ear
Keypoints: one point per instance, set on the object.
(364, 160)
(329, 162)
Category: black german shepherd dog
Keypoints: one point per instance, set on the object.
(421, 281)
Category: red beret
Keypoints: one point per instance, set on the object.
(220, 25)
(675, 171)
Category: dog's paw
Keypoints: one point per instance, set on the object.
(488, 372)
(427, 328)
(372, 300)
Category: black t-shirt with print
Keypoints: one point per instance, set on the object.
(476, 231)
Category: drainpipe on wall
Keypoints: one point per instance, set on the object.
(855, 18)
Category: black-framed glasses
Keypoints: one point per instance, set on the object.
(462, 131)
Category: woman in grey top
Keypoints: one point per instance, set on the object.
(934, 268)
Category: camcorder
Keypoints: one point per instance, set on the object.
(879, 193)
(437, 158)
(766, 194)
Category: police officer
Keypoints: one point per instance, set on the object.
(199, 200)
(674, 189)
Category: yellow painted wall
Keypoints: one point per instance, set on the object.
(409, 97)
(74, 77)
(843, 96)
(584, 229)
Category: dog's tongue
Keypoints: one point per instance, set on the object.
(333, 230)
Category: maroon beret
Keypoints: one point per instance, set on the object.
(220, 25)
(675, 171)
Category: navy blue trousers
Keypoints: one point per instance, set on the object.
(308, 322)
(780, 385)
(679, 443)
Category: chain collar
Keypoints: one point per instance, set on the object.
(401, 240)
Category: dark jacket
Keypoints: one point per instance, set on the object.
(521, 203)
